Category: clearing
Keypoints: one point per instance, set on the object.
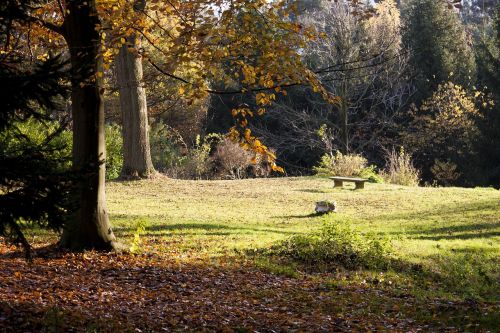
(200, 266)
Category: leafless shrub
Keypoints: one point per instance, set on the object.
(399, 169)
(232, 160)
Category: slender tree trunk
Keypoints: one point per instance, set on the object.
(344, 120)
(89, 228)
(136, 151)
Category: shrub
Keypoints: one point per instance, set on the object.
(445, 173)
(168, 149)
(341, 165)
(114, 151)
(347, 165)
(371, 174)
(337, 244)
(171, 155)
(400, 170)
(231, 159)
(198, 163)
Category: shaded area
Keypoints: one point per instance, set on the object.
(478, 234)
(211, 229)
(445, 211)
(306, 216)
(308, 190)
(109, 293)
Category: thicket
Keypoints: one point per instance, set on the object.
(336, 245)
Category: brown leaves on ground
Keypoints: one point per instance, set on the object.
(149, 293)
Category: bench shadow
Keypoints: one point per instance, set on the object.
(312, 190)
(307, 216)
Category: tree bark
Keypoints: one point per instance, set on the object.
(89, 227)
(136, 150)
(344, 119)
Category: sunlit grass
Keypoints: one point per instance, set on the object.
(453, 232)
(451, 235)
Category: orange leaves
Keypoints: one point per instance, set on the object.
(264, 99)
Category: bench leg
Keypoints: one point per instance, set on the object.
(359, 185)
(338, 183)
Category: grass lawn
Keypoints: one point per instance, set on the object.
(453, 233)
(201, 245)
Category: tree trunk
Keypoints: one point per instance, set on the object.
(89, 228)
(344, 120)
(136, 151)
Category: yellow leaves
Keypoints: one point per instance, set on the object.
(277, 168)
(43, 57)
(249, 74)
(264, 99)
(248, 134)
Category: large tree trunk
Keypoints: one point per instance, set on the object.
(89, 228)
(136, 151)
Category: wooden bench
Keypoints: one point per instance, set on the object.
(339, 181)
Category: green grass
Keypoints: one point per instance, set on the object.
(449, 236)
(445, 240)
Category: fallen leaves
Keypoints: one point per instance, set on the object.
(154, 293)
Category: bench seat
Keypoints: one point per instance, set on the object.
(339, 181)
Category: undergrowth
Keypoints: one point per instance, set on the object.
(336, 244)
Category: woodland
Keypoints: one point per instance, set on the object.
(160, 162)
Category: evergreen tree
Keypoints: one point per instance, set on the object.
(488, 61)
(35, 183)
(441, 47)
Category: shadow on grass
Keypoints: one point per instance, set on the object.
(306, 216)
(465, 236)
(204, 228)
(447, 211)
(307, 190)
(449, 214)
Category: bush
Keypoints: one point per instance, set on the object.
(347, 165)
(445, 173)
(198, 163)
(114, 151)
(171, 155)
(337, 244)
(400, 170)
(232, 160)
(371, 174)
(341, 165)
(168, 149)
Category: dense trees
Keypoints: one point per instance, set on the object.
(440, 46)
(363, 63)
(330, 68)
